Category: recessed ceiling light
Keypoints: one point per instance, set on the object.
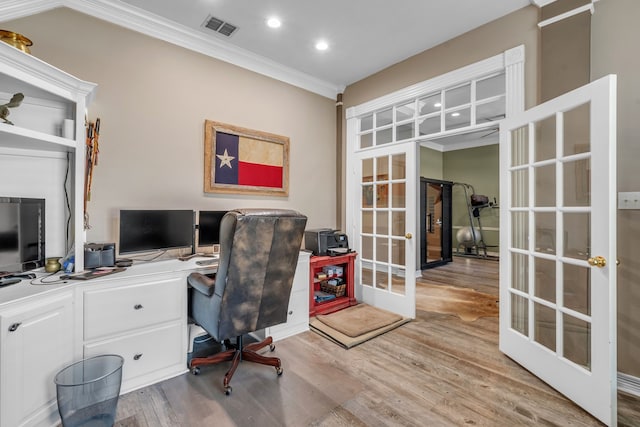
(274, 22)
(437, 104)
(455, 114)
(322, 45)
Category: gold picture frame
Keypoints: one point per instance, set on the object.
(238, 160)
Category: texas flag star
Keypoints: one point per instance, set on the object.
(225, 159)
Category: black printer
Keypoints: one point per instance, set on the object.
(326, 241)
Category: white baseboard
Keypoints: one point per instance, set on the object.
(629, 384)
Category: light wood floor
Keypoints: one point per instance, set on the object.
(434, 371)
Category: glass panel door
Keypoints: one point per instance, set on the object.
(386, 264)
(557, 279)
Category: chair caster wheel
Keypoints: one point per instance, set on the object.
(227, 390)
(195, 370)
(272, 347)
(279, 370)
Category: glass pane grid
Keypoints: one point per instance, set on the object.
(479, 100)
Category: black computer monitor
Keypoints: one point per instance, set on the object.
(209, 227)
(151, 230)
(22, 234)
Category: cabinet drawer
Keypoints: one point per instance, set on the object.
(145, 352)
(115, 310)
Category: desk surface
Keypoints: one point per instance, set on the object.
(25, 289)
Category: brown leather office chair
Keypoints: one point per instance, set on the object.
(258, 257)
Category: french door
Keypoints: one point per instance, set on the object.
(558, 251)
(386, 209)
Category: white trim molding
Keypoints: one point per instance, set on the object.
(629, 384)
(569, 14)
(135, 19)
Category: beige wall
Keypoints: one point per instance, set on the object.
(488, 40)
(153, 99)
(614, 33)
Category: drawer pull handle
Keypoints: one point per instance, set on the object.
(14, 326)
(137, 356)
(138, 307)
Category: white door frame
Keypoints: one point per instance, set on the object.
(510, 61)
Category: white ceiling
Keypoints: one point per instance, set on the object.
(365, 36)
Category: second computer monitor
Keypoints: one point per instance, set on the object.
(209, 227)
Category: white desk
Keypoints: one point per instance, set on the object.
(140, 313)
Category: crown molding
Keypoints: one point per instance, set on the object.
(15, 9)
(135, 19)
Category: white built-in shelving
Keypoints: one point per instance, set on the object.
(33, 152)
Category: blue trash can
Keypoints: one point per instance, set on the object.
(88, 390)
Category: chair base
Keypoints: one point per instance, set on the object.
(236, 354)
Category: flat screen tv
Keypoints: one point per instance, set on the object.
(152, 230)
(209, 227)
(22, 234)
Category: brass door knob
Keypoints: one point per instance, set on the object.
(597, 261)
(408, 236)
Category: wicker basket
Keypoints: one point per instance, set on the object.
(337, 290)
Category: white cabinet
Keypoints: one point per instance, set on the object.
(143, 320)
(36, 341)
(298, 311)
(33, 154)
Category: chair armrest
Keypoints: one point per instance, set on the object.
(201, 283)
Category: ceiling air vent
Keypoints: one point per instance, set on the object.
(220, 26)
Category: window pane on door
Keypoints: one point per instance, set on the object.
(545, 177)
(545, 326)
(520, 272)
(398, 225)
(367, 222)
(545, 223)
(545, 276)
(382, 249)
(520, 314)
(577, 231)
(520, 188)
(577, 288)
(577, 132)
(577, 341)
(398, 195)
(399, 164)
(577, 183)
(520, 230)
(545, 139)
(520, 146)
(382, 222)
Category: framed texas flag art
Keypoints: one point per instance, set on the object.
(244, 161)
